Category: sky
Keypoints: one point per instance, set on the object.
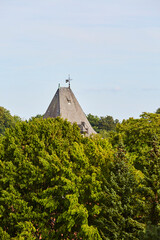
(111, 49)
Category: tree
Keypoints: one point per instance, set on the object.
(120, 202)
(37, 116)
(141, 139)
(48, 179)
(150, 188)
(7, 120)
(151, 232)
(137, 136)
(94, 121)
(57, 184)
(158, 111)
(103, 123)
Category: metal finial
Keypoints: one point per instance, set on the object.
(69, 81)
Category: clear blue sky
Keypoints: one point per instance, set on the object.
(110, 48)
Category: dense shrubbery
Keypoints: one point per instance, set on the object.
(57, 184)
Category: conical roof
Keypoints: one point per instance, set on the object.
(65, 105)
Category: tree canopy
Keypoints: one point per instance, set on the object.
(102, 125)
(158, 111)
(7, 120)
(57, 184)
(141, 138)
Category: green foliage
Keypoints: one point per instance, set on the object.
(158, 111)
(137, 136)
(102, 124)
(4, 235)
(7, 120)
(120, 200)
(57, 184)
(151, 232)
(141, 138)
(46, 175)
(26, 231)
(39, 116)
(151, 185)
(104, 134)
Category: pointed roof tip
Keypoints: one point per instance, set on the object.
(65, 105)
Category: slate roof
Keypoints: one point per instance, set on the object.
(65, 105)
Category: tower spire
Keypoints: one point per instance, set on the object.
(65, 105)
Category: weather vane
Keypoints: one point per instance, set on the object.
(69, 81)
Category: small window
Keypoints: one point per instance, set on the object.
(69, 101)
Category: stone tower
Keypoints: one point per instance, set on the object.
(65, 105)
